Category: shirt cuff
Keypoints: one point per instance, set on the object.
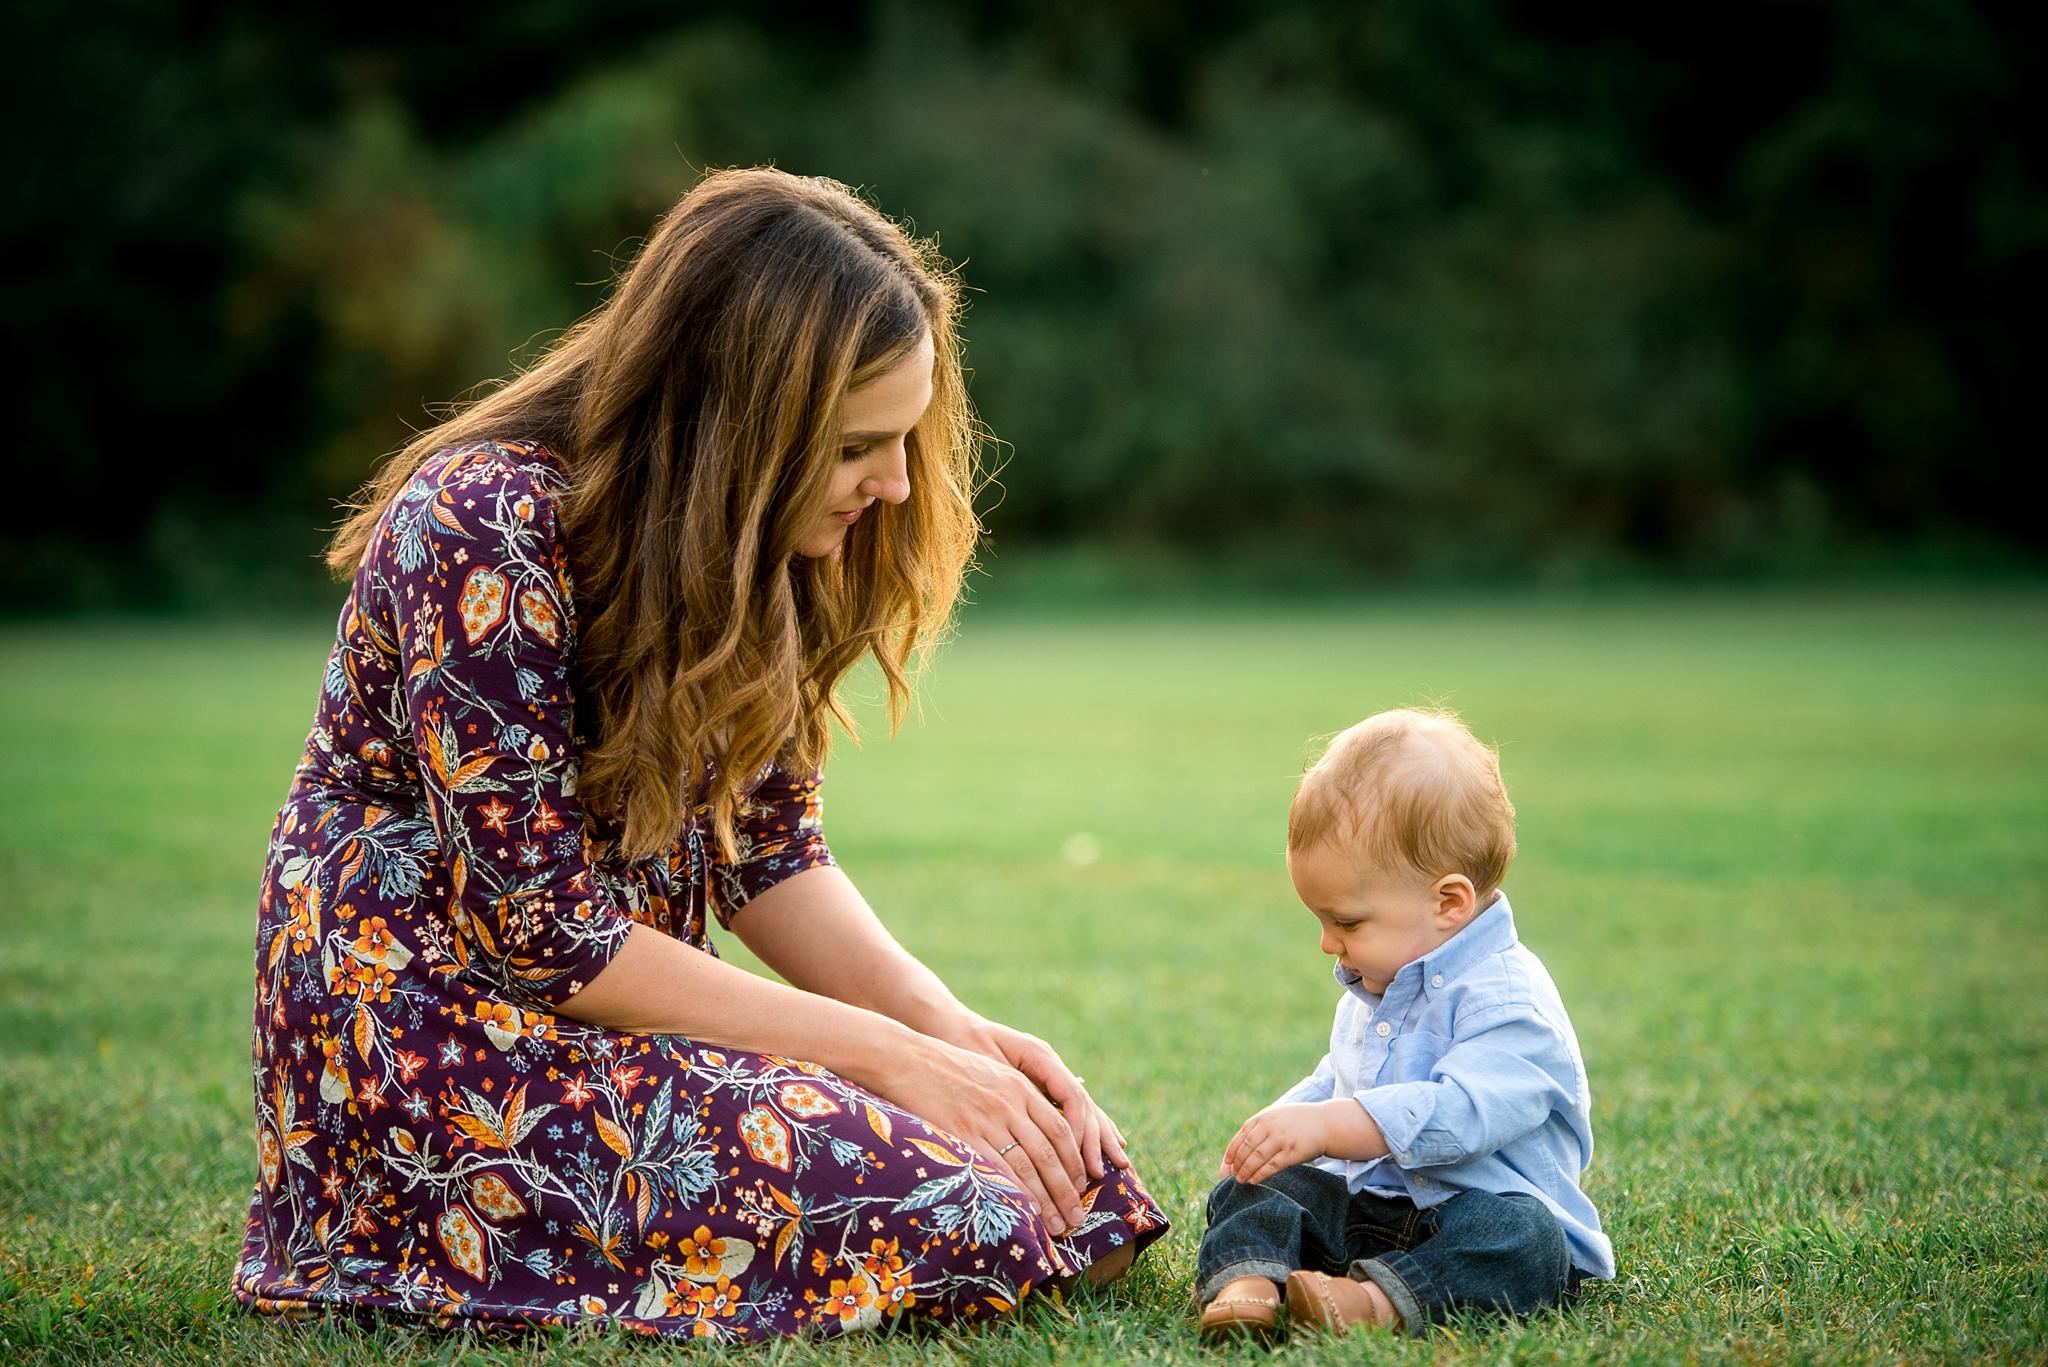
(1403, 1111)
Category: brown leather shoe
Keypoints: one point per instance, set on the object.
(1230, 1317)
(1337, 1304)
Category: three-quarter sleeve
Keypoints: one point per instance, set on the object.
(479, 591)
(781, 833)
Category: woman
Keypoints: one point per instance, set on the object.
(500, 1071)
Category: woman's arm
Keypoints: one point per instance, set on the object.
(820, 934)
(658, 984)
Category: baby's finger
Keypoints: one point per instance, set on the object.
(1269, 1159)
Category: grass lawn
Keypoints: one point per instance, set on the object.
(1783, 852)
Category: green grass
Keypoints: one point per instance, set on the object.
(1784, 854)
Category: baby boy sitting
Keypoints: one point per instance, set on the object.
(1432, 1159)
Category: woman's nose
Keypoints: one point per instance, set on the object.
(890, 480)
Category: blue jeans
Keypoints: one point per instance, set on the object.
(1476, 1250)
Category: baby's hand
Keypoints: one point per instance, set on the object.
(1276, 1138)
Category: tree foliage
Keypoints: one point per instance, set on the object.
(1449, 285)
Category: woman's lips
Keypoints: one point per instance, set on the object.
(850, 518)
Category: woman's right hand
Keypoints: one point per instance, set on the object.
(1002, 1114)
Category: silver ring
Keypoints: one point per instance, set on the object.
(1007, 1147)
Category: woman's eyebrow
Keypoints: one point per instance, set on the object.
(853, 438)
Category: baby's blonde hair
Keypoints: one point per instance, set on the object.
(1410, 788)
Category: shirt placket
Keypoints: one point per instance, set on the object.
(1376, 1031)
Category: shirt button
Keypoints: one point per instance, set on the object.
(1383, 1029)
(1437, 981)
(1421, 1181)
(1407, 1158)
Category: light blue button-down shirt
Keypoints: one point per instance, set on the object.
(1470, 1068)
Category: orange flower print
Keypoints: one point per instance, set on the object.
(893, 1294)
(883, 1257)
(702, 1254)
(545, 821)
(374, 940)
(849, 1298)
(501, 1023)
(368, 982)
(713, 1299)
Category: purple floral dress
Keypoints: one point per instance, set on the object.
(431, 1138)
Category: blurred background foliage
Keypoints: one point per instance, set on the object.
(1409, 289)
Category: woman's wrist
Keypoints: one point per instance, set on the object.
(956, 1025)
(880, 1058)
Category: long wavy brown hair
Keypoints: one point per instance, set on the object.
(698, 414)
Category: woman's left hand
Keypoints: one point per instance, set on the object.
(1095, 1134)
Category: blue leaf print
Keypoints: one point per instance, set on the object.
(932, 1192)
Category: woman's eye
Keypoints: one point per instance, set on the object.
(855, 452)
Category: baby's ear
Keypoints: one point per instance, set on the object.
(1456, 899)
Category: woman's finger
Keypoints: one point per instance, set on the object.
(1054, 1155)
(1113, 1142)
(1008, 1158)
(1065, 1146)
(1090, 1138)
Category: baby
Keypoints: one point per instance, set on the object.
(1432, 1159)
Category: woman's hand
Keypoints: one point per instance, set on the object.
(997, 1108)
(1095, 1134)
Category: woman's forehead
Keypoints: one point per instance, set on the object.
(891, 403)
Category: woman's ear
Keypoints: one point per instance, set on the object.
(1456, 900)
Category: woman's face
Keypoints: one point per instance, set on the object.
(873, 462)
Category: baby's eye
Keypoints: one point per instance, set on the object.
(1346, 925)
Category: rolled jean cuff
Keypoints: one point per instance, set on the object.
(1407, 1285)
(1243, 1267)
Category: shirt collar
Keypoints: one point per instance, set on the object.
(1485, 935)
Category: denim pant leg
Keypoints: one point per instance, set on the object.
(1475, 1251)
(1293, 1219)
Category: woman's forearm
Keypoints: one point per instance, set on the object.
(658, 984)
(819, 933)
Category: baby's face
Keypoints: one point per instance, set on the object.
(1375, 921)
